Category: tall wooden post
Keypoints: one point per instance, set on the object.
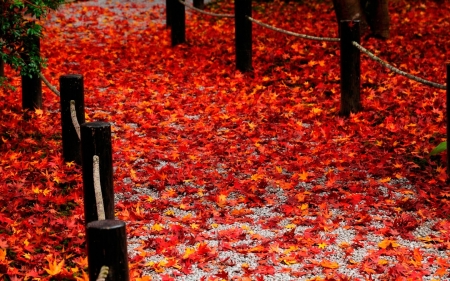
(243, 34)
(107, 246)
(169, 8)
(350, 68)
(177, 22)
(96, 140)
(71, 89)
(31, 85)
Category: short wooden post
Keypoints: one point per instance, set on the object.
(96, 140)
(350, 67)
(199, 4)
(71, 89)
(243, 34)
(169, 8)
(448, 117)
(177, 22)
(31, 85)
(107, 246)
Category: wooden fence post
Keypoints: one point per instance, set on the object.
(243, 34)
(107, 246)
(96, 140)
(31, 86)
(350, 67)
(169, 4)
(71, 89)
(177, 22)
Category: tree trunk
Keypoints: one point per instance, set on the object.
(370, 13)
(350, 10)
(378, 17)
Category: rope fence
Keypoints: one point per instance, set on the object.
(304, 36)
(205, 12)
(396, 70)
(89, 144)
(98, 189)
(73, 115)
(244, 49)
(50, 86)
(349, 56)
(103, 273)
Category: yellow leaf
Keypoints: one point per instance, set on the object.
(303, 176)
(290, 226)
(2, 254)
(388, 179)
(54, 268)
(316, 110)
(169, 213)
(35, 189)
(188, 252)
(290, 260)
(322, 245)
(329, 264)
(279, 169)
(39, 112)
(157, 227)
(386, 243)
(256, 177)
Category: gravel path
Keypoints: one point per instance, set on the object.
(251, 245)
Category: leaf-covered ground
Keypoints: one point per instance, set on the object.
(222, 175)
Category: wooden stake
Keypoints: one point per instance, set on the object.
(71, 89)
(243, 34)
(350, 68)
(96, 140)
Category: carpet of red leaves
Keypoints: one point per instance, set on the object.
(217, 169)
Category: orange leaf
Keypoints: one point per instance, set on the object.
(388, 243)
(54, 268)
(329, 264)
(303, 175)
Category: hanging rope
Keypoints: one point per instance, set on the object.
(50, 86)
(396, 70)
(304, 36)
(103, 273)
(73, 114)
(98, 189)
(205, 12)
